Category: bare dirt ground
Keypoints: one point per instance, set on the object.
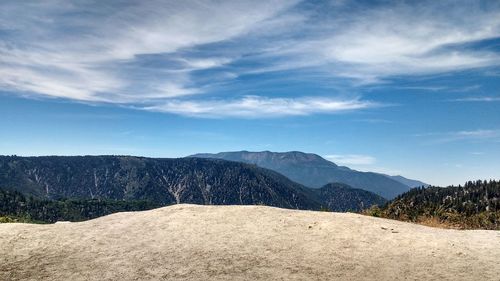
(189, 242)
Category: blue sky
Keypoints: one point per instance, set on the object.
(400, 87)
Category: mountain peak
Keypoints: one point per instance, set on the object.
(314, 171)
(259, 157)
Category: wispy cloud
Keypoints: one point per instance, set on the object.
(375, 121)
(424, 88)
(95, 51)
(472, 135)
(476, 134)
(147, 54)
(351, 159)
(478, 99)
(401, 38)
(260, 107)
(417, 39)
(470, 88)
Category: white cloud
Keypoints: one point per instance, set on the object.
(148, 53)
(465, 135)
(89, 51)
(205, 63)
(476, 134)
(404, 39)
(479, 99)
(351, 159)
(260, 107)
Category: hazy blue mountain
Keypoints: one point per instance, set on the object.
(164, 181)
(314, 171)
(409, 182)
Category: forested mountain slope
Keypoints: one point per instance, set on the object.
(17, 207)
(163, 181)
(341, 197)
(473, 205)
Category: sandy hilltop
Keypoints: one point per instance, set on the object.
(191, 242)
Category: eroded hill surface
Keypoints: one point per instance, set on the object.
(190, 242)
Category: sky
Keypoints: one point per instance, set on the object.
(398, 87)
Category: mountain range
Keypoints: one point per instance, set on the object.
(170, 181)
(314, 171)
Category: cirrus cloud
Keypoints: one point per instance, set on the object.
(260, 107)
(148, 54)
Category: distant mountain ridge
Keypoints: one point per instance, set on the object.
(409, 182)
(168, 181)
(314, 171)
(164, 181)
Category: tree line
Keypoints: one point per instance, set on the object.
(476, 204)
(16, 207)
